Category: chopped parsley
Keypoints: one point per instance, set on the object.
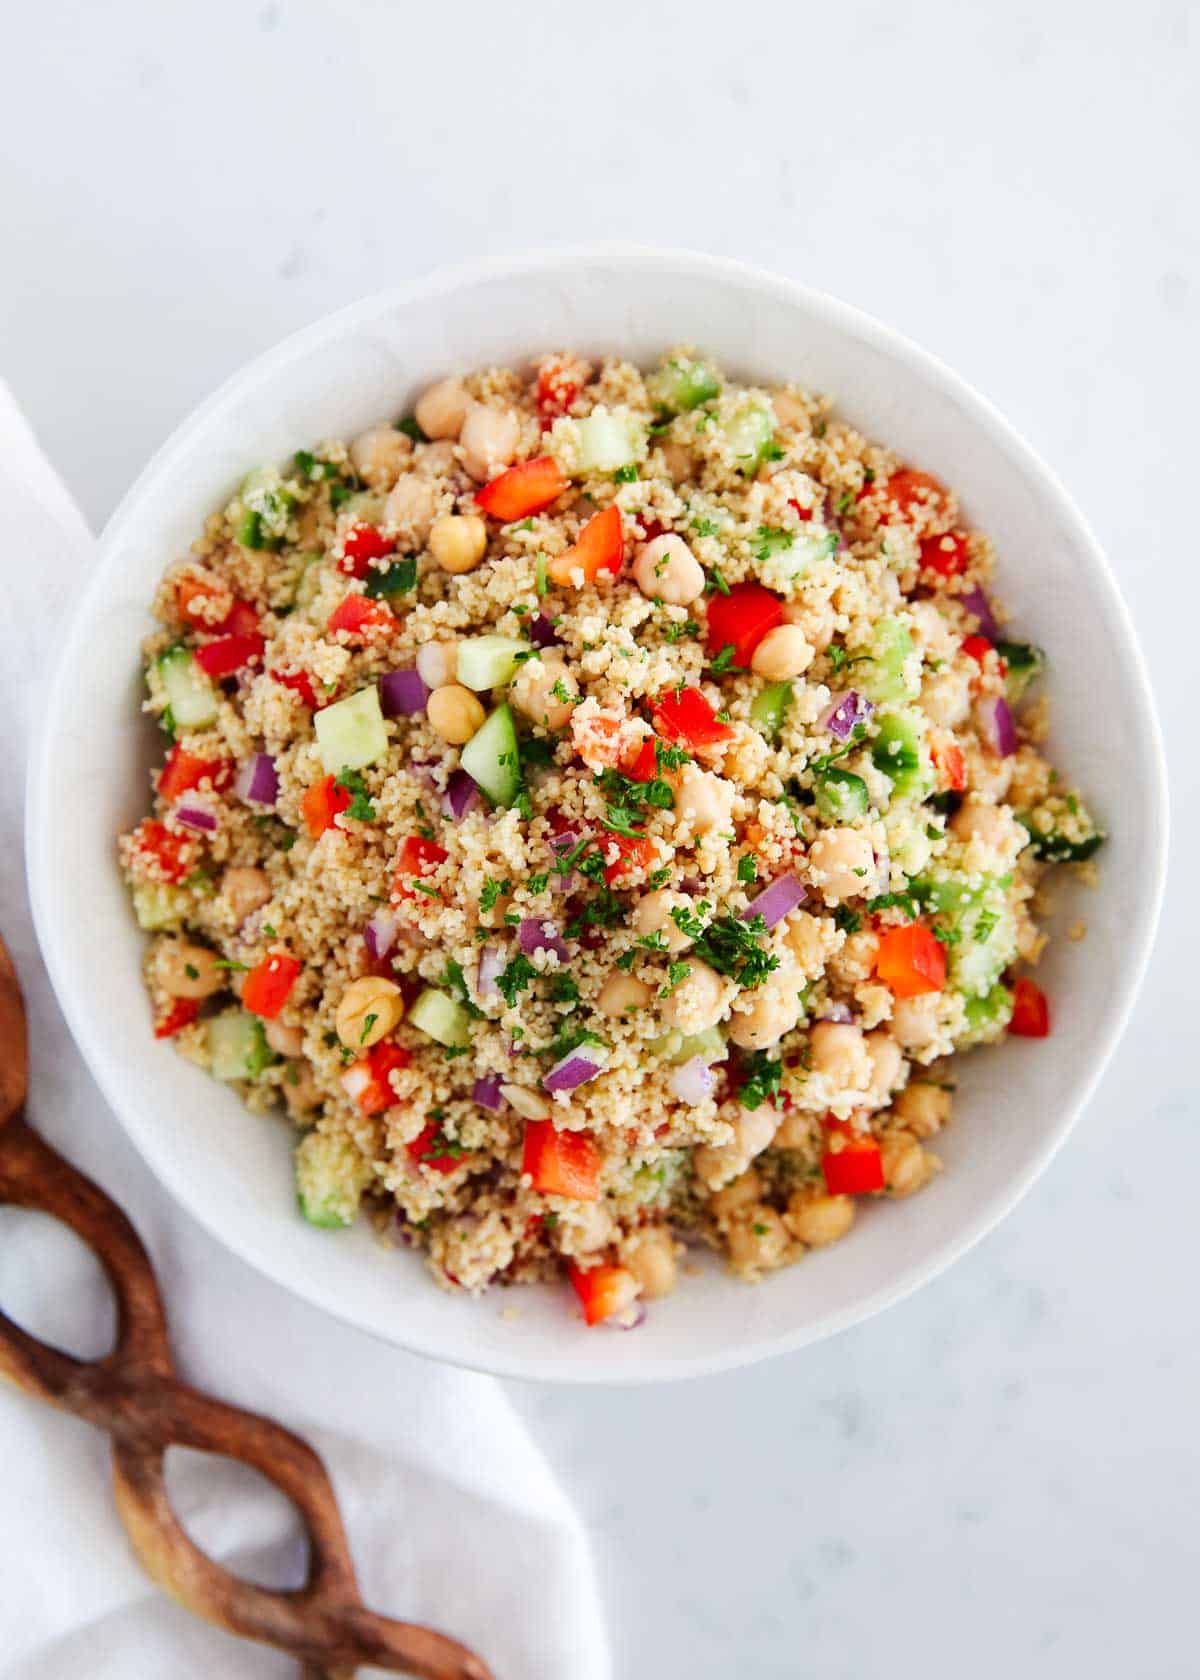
(236, 967)
(659, 878)
(395, 579)
(454, 980)
(424, 887)
(747, 869)
(848, 920)
(563, 989)
(514, 979)
(716, 584)
(409, 427)
(676, 973)
(367, 1025)
(905, 901)
(538, 883)
(493, 891)
(676, 632)
(733, 946)
(705, 527)
(360, 806)
(761, 1074)
(626, 475)
(771, 539)
(724, 659)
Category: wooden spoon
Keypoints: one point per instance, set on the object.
(134, 1394)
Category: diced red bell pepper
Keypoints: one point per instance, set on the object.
(604, 1291)
(160, 853)
(360, 545)
(183, 771)
(182, 1013)
(1031, 1012)
(910, 490)
(561, 1163)
(300, 683)
(269, 984)
(415, 859)
(559, 381)
(741, 619)
(423, 1152)
(366, 1080)
(947, 755)
(855, 1166)
(360, 617)
(321, 803)
(911, 961)
(526, 488)
(805, 513)
(945, 555)
(243, 620)
(227, 654)
(977, 648)
(684, 715)
(599, 547)
(195, 594)
(644, 767)
(637, 852)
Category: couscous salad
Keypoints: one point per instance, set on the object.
(596, 807)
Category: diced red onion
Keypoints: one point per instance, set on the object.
(778, 901)
(564, 841)
(693, 1082)
(575, 1068)
(422, 771)
(487, 1093)
(379, 934)
(257, 781)
(542, 633)
(462, 795)
(491, 967)
(838, 1013)
(536, 935)
(976, 602)
(996, 725)
(846, 712)
(195, 816)
(401, 693)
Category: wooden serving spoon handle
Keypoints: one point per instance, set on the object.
(134, 1394)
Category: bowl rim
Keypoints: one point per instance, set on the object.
(108, 1071)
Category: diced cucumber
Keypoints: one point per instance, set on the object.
(681, 384)
(675, 1048)
(190, 695)
(749, 432)
(784, 557)
(350, 733)
(1061, 830)
(1025, 665)
(489, 661)
(898, 750)
(840, 795)
(266, 505)
(987, 1016)
(331, 1175)
(769, 708)
(882, 673)
(987, 946)
(238, 1045)
(158, 906)
(947, 895)
(492, 758)
(438, 1016)
(541, 577)
(609, 440)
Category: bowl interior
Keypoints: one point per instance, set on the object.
(231, 1169)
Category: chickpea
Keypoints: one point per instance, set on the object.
(992, 825)
(458, 542)
(887, 1065)
(794, 1131)
(435, 460)
(489, 440)
(916, 1021)
(753, 1129)
(738, 1195)
(987, 774)
(697, 1002)
(368, 1010)
(380, 455)
(410, 508)
(454, 713)
(621, 993)
(837, 1050)
(923, 1107)
(530, 1105)
(818, 1221)
(667, 570)
(789, 410)
(758, 1242)
(185, 970)
(585, 1227)
(772, 1010)
(532, 691)
(677, 458)
(652, 914)
(441, 409)
(841, 864)
(906, 1166)
(437, 663)
(946, 696)
(703, 801)
(816, 619)
(284, 1040)
(650, 1255)
(782, 654)
(244, 890)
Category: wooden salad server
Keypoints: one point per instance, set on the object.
(134, 1394)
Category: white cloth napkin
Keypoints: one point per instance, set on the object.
(454, 1517)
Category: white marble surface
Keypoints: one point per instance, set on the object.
(1001, 1475)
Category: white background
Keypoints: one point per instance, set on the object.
(1000, 1475)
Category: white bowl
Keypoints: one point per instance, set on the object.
(88, 781)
